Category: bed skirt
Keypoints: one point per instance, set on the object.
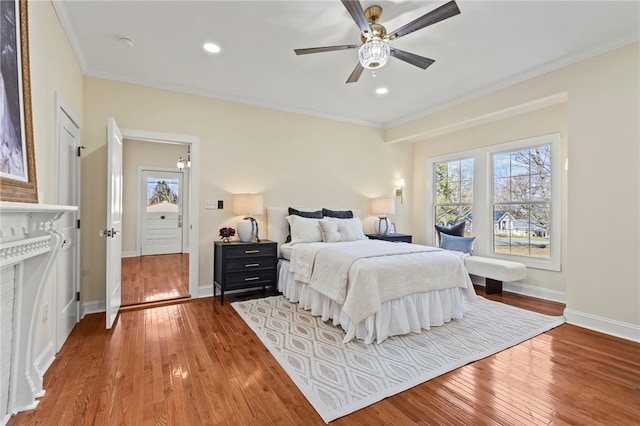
(410, 314)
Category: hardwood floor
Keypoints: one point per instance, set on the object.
(148, 279)
(198, 363)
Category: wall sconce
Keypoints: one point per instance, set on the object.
(399, 189)
(182, 162)
(382, 207)
(247, 205)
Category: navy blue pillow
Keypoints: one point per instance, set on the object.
(313, 215)
(317, 214)
(339, 214)
(456, 229)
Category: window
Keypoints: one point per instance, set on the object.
(162, 195)
(454, 193)
(509, 196)
(522, 202)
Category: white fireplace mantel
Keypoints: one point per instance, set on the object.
(29, 244)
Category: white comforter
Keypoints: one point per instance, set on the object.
(361, 275)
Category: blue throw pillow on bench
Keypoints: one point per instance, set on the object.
(452, 242)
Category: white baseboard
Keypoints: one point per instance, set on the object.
(135, 253)
(93, 307)
(527, 290)
(205, 290)
(45, 359)
(603, 325)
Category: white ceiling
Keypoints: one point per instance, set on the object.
(490, 45)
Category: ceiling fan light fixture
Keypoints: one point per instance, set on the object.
(374, 53)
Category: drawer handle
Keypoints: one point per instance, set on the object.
(251, 251)
(252, 278)
(251, 265)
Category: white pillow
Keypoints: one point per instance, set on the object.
(329, 229)
(304, 229)
(350, 229)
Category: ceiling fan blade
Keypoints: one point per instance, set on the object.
(355, 10)
(413, 59)
(355, 74)
(443, 12)
(324, 49)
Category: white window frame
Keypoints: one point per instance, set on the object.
(482, 206)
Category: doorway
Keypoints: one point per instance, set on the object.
(157, 271)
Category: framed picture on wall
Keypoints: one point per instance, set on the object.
(17, 161)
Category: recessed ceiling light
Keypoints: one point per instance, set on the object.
(211, 47)
(382, 90)
(126, 41)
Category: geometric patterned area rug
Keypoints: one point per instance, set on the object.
(339, 379)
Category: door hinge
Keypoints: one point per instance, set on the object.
(77, 296)
(78, 223)
(80, 148)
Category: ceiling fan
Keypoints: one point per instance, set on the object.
(374, 52)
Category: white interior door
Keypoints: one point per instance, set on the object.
(161, 212)
(114, 222)
(68, 260)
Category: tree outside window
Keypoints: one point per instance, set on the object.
(522, 202)
(162, 195)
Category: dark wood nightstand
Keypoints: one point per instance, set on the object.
(396, 238)
(239, 265)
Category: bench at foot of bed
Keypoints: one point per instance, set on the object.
(495, 271)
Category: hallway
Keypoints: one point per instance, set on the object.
(147, 279)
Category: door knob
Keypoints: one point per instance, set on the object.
(108, 232)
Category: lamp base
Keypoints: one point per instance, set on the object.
(245, 231)
(381, 226)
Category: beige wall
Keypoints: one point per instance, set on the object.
(292, 159)
(147, 154)
(53, 68)
(601, 138)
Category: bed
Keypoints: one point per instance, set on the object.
(372, 289)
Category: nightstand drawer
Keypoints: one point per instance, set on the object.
(249, 278)
(268, 250)
(249, 264)
(396, 238)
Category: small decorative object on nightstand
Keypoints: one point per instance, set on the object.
(396, 238)
(238, 265)
(226, 234)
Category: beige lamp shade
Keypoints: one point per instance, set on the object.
(248, 204)
(383, 206)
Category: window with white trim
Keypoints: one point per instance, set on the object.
(522, 202)
(454, 193)
(508, 194)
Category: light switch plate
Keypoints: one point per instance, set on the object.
(211, 205)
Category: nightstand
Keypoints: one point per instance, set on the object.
(396, 238)
(238, 265)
